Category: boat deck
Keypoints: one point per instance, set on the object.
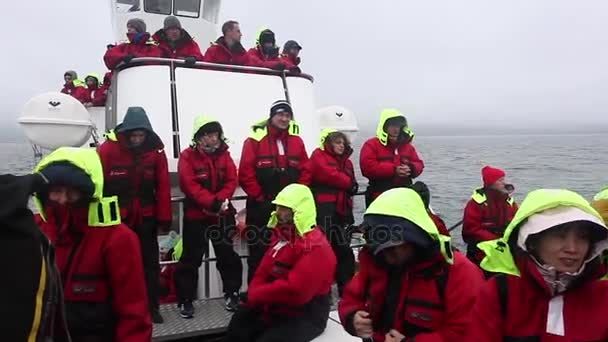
(211, 322)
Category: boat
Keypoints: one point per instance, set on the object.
(173, 94)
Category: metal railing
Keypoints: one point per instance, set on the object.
(111, 115)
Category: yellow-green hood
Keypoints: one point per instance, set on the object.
(299, 199)
(499, 257)
(88, 161)
(385, 115)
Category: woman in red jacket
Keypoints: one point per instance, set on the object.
(207, 177)
(329, 173)
(98, 257)
(549, 282)
(410, 286)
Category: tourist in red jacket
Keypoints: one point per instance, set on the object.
(136, 170)
(227, 49)
(410, 286)
(289, 297)
(73, 86)
(488, 212)
(98, 257)
(389, 159)
(289, 57)
(265, 54)
(139, 45)
(207, 177)
(273, 156)
(175, 42)
(95, 95)
(331, 177)
(549, 282)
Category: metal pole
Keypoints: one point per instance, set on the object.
(285, 87)
(174, 114)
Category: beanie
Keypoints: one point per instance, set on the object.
(291, 44)
(71, 73)
(490, 175)
(171, 22)
(138, 24)
(67, 174)
(279, 107)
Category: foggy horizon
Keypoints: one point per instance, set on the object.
(516, 66)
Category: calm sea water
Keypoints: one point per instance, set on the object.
(453, 164)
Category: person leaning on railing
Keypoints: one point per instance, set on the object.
(139, 44)
(227, 49)
(176, 42)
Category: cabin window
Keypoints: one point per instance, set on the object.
(187, 8)
(158, 6)
(128, 5)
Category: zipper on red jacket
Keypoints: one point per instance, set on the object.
(68, 266)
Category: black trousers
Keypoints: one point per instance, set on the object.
(195, 238)
(256, 233)
(334, 226)
(147, 232)
(247, 325)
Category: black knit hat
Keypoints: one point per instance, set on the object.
(66, 174)
(280, 106)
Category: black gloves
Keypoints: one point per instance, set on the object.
(216, 206)
(354, 188)
(128, 58)
(279, 66)
(190, 61)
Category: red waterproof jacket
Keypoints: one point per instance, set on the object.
(219, 53)
(486, 216)
(378, 163)
(95, 95)
(291, 62)
(146, 47)
(77, 91)
(330, 178)
(524, 309)
(139, 179)
(256, 58)
(434, 302)
(205, 179)
(294, 276)
(182, 48)
(102, 274)
(262, 171)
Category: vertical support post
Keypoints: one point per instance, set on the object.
(174, 114)
(285, 87)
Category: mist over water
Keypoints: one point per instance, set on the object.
(453, 166)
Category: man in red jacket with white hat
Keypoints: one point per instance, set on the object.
(488, 212)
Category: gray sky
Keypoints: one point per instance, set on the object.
(474, 62)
